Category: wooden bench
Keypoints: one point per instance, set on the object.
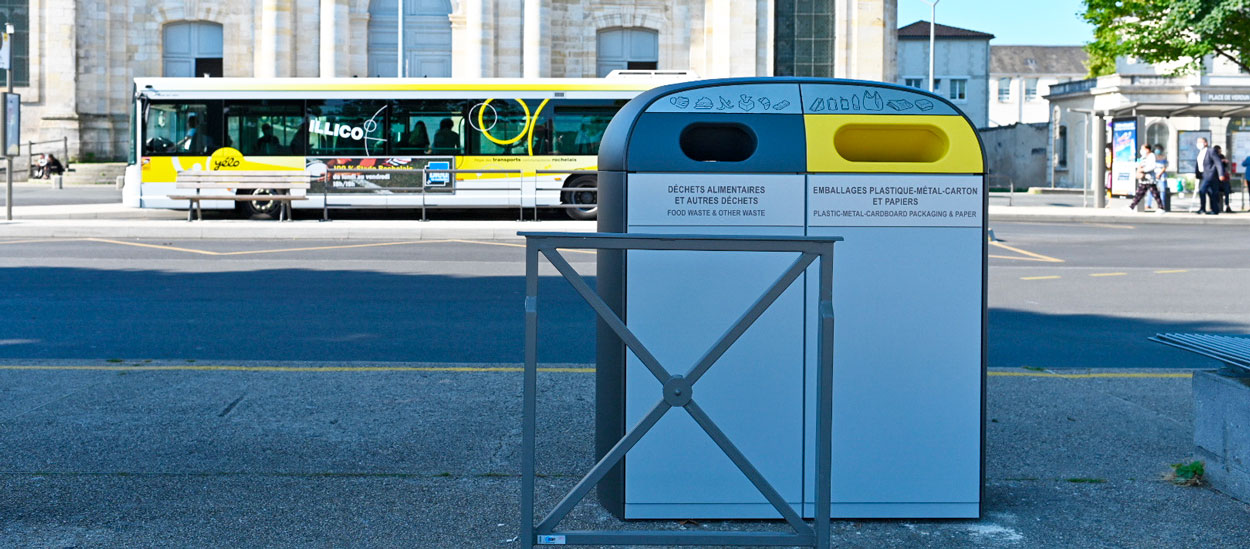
(281, 182)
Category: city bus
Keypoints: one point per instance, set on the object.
(397, 132)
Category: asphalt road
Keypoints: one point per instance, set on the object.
(1061, 296)
(245, 429)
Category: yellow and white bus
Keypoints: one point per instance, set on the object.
(331, 126)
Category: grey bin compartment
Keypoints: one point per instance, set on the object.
(750, 157)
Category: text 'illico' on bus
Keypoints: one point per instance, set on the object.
(397, 132)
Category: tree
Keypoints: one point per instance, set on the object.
(1160, 31)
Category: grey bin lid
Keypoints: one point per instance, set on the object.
(743, 125)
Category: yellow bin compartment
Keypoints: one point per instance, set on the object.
(857, 143)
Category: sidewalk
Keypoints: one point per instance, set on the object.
(146, 459)
(113, 220)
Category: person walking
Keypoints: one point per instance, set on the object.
(1209, 170)
(1226, 181)
(1147, 169)
(1161, 178)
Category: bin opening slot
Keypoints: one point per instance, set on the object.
(890, 143)
(718, 142)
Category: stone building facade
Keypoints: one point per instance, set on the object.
(84, 54)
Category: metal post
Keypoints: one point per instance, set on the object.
(529, 390)
(424, 180)
(399, 59)
(1100, 160)
(65, 152)
(932, 23)
(4, 134)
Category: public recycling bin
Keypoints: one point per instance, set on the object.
(897, 172)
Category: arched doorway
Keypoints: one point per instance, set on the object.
(427, 37)
(192, 48)
(627, 48)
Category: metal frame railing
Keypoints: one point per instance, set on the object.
(1233, 351)
(678, 390)
(30, 153)
(424, 189)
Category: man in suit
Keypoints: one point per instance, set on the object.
(1210, 172)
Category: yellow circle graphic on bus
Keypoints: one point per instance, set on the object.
(225, 158)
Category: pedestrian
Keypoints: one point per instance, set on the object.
(1146, 172)
(1209, 170)
(1226, 181)
(54, 167)
(41, 166)
(1161, 177)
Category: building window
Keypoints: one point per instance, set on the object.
(958, 89)
(1157, 134)
(17, 13)
(914, 82)
(627, 48)
(1030, 89)
(192, 49)
(427, 38)
(1004, 89)
(1061, 148)
(803, 38)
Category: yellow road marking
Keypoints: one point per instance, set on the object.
(1125, 375)
(1108, 274)
(1051, 277)
(491, 369)
(340, 247)
(515, 245)
(252, 252)
(1109, 226)
(1029, 256)
(1172, 271)
(326, 369)
(41, 240)
(154, 246)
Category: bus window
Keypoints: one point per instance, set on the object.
(417, 127)
(182, 128)
(579, 125)
(346, 127)
(501, 126)
(266, 128)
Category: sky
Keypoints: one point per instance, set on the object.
(1012, 22)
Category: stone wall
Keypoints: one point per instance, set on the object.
(84, 54)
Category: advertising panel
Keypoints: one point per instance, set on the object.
(1124, 155)
(1187, 150)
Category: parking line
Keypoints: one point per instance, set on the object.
(1029, 256)
(515, 245)
(1172, 271)
(296, 369)
(253, 252)
(495, 369)
(1050, 277)
(1107, 375)
(1108, 274)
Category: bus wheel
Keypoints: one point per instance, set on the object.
(572, 197)
(253, 208)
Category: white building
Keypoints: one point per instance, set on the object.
(75, 61)
(1021, 76)
(1171, 111)
(961, 65)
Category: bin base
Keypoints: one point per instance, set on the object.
(757, 511)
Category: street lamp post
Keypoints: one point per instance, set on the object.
(932, 22)
(8, 160)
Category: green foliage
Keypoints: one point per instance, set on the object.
(1187, 474)
(1159, 31)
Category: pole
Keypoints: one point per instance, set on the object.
(399, 58)
(8, 160)
(1100, 160)
(932, 23)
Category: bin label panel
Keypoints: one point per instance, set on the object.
(716, 199)
(891, 200)
(734, 99)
